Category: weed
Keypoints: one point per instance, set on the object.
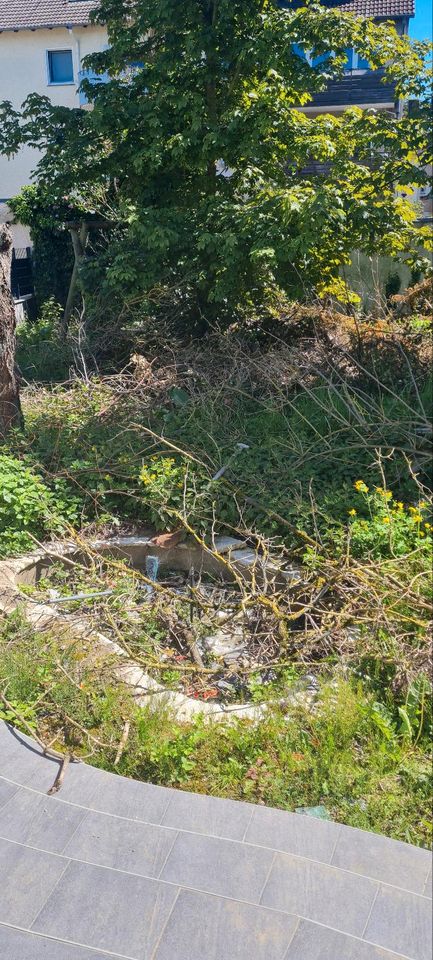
(347, 753)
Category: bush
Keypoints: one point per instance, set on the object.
(41, 356)
(27, 506)
(381, 526)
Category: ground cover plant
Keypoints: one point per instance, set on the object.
(332, 477)
(364, 759)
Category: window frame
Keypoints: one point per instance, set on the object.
(59, 83)
(355, 68)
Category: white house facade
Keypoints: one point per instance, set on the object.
(42, 46)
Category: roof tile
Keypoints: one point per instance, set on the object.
(378, 8)
(31, 14)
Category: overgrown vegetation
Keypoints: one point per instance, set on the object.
(333, 477)
(366, 759)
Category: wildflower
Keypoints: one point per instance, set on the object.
(421, 534)
(380, 490)
(413, 510)
(360, 486)
(386, 520)
(388, 494)
(417, 518)
(400, 505)
(428, 526)
(422, 505)
(352, 513)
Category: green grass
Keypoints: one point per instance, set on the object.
(367, 772)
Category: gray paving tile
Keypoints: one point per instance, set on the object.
(39, 821)
(207, 815)
(218, 866)
(131, 799)
(319, 892)
(313, 942)
(9, 733)
(7, 791)
(428, 885)
(402, 922)
(27, 879)
(81, 781)
(16, 945)
(202, 927)
(136, 847)
(107, 910)
(383, 859)
(20, 759)
(293, 833)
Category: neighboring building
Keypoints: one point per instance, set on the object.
(362, 86)
(42, 45)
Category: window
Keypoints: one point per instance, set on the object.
(60, 66)
(355, 61)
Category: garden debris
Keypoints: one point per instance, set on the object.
(320, 812)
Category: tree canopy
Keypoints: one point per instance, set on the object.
(197, 149)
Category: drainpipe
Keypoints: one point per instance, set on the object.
(76, 40)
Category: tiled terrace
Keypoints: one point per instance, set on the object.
(113, 868)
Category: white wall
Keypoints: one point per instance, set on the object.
(23, 70)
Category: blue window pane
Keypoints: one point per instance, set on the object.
(363, 64)
(60, 67)
(93, 78)
(299, 51)
(322, 58)
(350, 53)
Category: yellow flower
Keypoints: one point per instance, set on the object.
(421, 534)
(352, 513)
(422, 505)
(379, 490)
(388, 494)
(413, 510)
(386, 520)
(427, 526)
(400, 505)
(417, 518)
(360, 486)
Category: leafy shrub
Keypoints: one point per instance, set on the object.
(170, 486)
(27, 506)
(40, 354)
(381, 526)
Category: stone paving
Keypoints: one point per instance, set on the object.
(114, 868)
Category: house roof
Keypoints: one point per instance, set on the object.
(377, 8)
(31, 14)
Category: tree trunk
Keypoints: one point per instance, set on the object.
(79, 240)
(10, 407)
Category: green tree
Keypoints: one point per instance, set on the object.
(196, 146)
(52, 248)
